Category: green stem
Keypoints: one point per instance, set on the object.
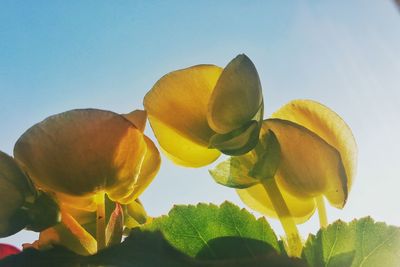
(294, 244)
(323, 219)
(100, 221)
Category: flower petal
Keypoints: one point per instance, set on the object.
(237, 142)
(135, 214)
(309, 166)
(14, 189)
(237, 96)
(6, 250)
(326, 124)
(148, 170)
(181, 150)
(127, 176)
(86, 203)
(180, 98)
(138, 118)
(11, 172)
(70, 234)
(115, 226)
(80, 152)
(256, 198)
(177, 110)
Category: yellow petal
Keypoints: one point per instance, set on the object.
(148, 170)
(85, 203)
(328, 125)
(237, 96)
(127, 174)
(70, 234)
(257, 199)
(81, 152)
(177, 110)
(309, 166)
(138, 118)
(135, 214)
(181, 150)
(180, 98)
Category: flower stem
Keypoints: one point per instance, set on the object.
(100, 221)
(323, 219)
(294, 244)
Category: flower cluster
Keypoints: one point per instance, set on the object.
(92, 165)
(76, 176)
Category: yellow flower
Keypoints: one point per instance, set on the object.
(318, 158)
(199, 112)
(79, 153)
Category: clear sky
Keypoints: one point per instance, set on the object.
(60, 55)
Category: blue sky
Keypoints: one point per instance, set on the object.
(60, 55)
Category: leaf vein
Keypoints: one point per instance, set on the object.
(392, 235)
(333, 246)
(199, 234)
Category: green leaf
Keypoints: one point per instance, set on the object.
(207, 231)
(233, 172)
(362, 242)
(190, 236)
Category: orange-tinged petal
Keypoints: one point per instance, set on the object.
(81, 152)
(182, 151)
(70, 234)
(85, 203)
(309, 166)
(326, 124)
(256, 198)
(138, 118)
(237, 96)
(128, 170)
(148, 170)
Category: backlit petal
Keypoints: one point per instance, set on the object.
(237, 96)
(309, 166)
(328, 125)
(182, 151)
(179, 100)
(256, 198)
(70, 234)
(80, 152)
(138, 118)
(177, 110)
(135, 214)
(148, 170)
